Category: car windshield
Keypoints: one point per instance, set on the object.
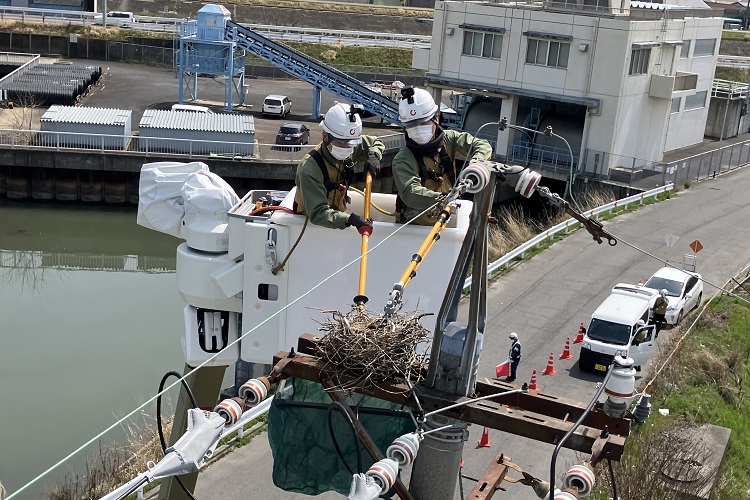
(606, 331)
(273, 102)
(289, 130)
(674, 288)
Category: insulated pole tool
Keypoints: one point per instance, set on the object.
(361, 299)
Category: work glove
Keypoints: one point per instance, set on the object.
(363, 488)
(364, 226)
(373, 164)
(441, 200)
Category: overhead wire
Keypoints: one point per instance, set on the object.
(211, 358)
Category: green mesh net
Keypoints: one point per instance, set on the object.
(305, 459)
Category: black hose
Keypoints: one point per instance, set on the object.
(572, 430)
(612, 475)
(159, 428)
(340, 408)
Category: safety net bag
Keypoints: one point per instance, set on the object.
(305, 458)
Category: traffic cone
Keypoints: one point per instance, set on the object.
(581, 333)
(484, 442)
(550, 369)
(532, 384)
(566, 352)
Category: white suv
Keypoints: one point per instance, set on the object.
(279, 105)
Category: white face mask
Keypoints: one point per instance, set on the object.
(421, 134)
(341, 153)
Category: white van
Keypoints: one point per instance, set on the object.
(191, 108)
(614, 323)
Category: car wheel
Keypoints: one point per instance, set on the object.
(679, 319)
(583, 367)
(700, 299)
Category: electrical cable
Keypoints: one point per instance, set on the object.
(473, 400)
(572, 430)
(612, 476)
(667, 264)
(211, 358)
(159, 428)
(271, 208)
(280, 267)
(335, 405)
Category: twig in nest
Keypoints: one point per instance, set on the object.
(367, 349)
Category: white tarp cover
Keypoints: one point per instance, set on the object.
(207, 194)
(168, 189)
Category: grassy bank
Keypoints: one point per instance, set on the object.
(702, 384)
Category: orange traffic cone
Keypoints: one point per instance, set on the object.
(532, 384)
(566, 352)
(581, 333)
(484, 442)
(550, 369)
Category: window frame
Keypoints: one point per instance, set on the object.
(685, 49)
(639, 65)
(536, 42)
(697, 50)
(688, 104)
(679, 105)
(495, 49)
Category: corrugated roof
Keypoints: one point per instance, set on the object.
(188, 120)
(92, 116)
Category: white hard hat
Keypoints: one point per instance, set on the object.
(663, 292)
(343, 124)
(416, 105)
(513, 336)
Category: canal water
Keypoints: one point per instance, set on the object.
(90, 320)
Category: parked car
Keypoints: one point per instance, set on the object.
(279, 105)
(684, 291)
(292, 134)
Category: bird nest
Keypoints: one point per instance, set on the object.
(368, 349)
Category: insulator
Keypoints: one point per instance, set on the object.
(565, 495)
(643, 409)
(404, 449)
(255, 390)
(527, 183)
(581, 478)
(476, 175)
(621, 384)
(231, 409)
(384, 473)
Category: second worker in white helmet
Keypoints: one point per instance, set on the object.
(323, 176)
(431, 161)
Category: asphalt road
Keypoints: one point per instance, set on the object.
(545, 299)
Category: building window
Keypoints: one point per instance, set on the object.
(547, 53)
(481, 44)
(685, 49)
(639, 61)
(704, 47)
(696, 101)
(676, 105)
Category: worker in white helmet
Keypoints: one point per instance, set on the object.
(514, 355)
(660, 310)
(432, 159)
(324, 174)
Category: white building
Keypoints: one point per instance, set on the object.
(623, 84)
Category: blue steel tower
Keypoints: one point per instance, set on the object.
(204, 50)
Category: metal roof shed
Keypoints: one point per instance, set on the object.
(88, 128)
(196, 133)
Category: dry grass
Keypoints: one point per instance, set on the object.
(111, 466)
(648, 469)
(381, 10)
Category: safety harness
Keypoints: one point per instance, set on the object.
(343, 186)
(447, 168)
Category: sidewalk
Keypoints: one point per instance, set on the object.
(706, 145)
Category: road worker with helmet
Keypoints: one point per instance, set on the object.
(324, 174)
(432, 159)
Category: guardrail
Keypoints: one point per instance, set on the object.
(565, 226)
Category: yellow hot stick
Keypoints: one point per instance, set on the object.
(427, 245)
(365, 243)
